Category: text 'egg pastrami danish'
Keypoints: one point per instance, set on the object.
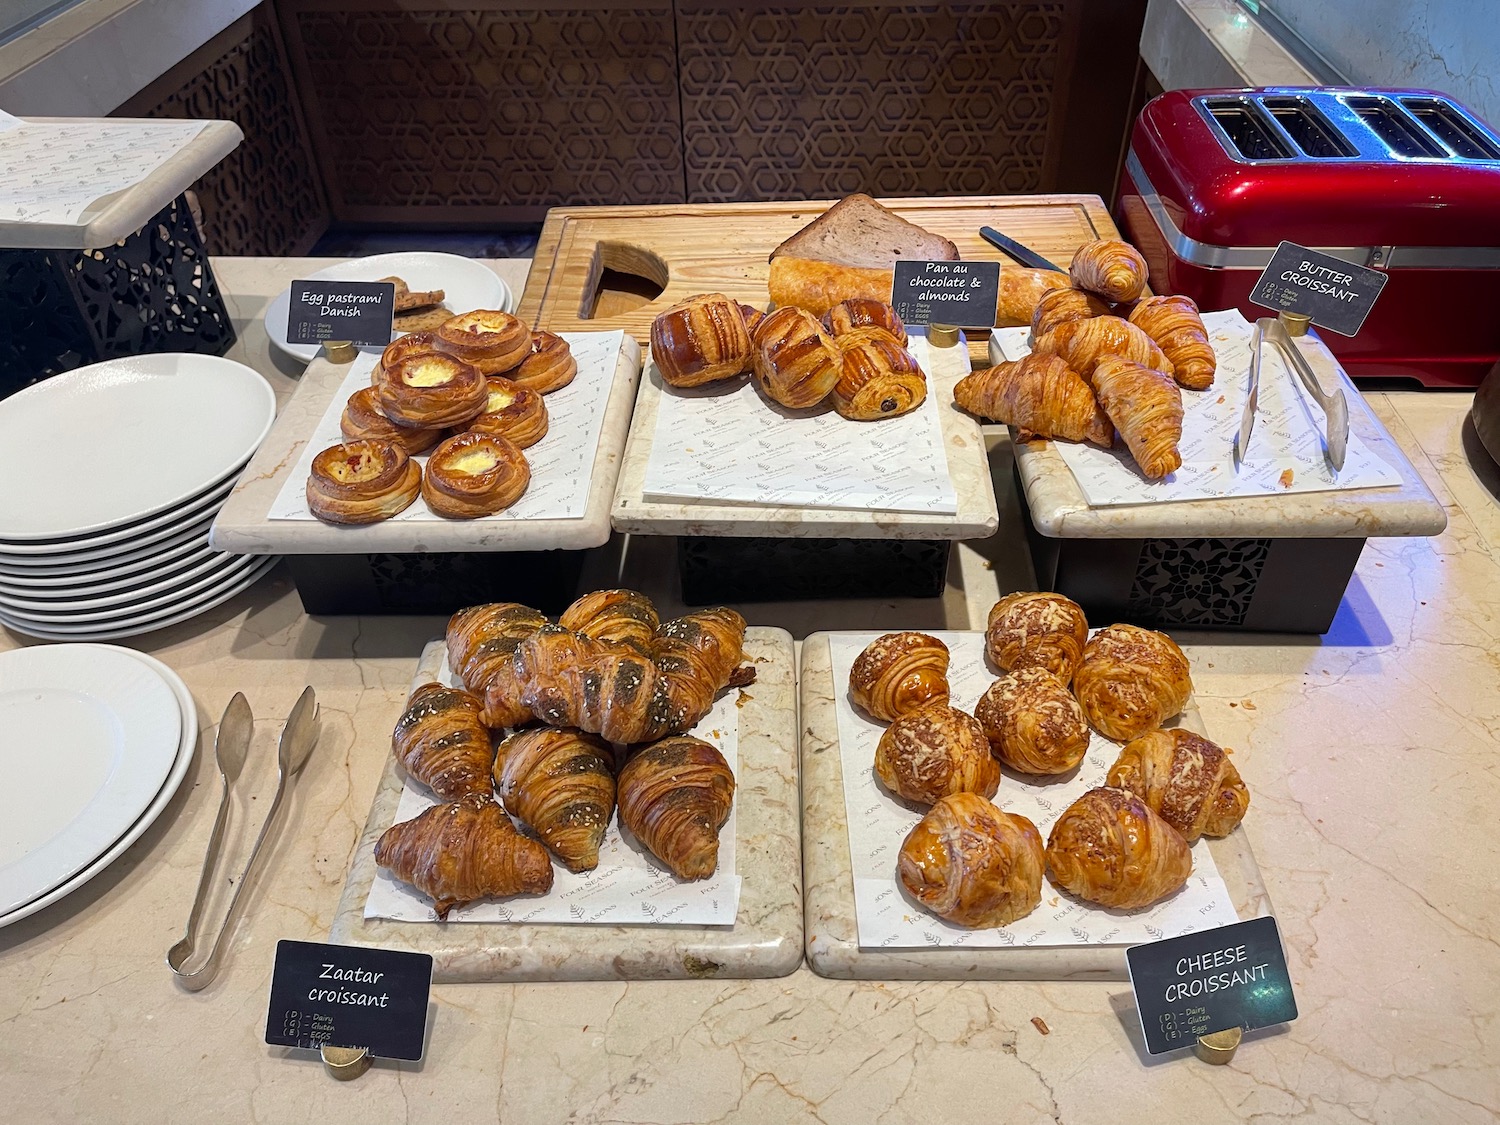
(701, 340)
(1036, 629)
(1033, 722)
(1109, 847)
(430, 389)
(362, 482)
(933, 752)
(674, 797)
(363, 418)
(1130, 681)
(489, 340)
(559, 784)
(464, 851)
(441, 741)
(482, 643)
(900, 673)
(511, 411)
(1187, 779)
(474, 475)
(971, 864)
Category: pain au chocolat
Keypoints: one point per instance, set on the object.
(361, 482)
(796, 363)
(878, 377)
(701, 340)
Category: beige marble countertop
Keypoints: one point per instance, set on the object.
(1370, 752)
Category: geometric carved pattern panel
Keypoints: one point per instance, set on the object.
(473, 114)
(1202, 582)
(798, 101)
(264, 197)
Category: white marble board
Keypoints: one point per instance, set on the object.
(766, 938)
(833, 948)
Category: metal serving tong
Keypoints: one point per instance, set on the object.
(298, 738)
(1335, 409)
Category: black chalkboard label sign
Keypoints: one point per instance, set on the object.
(348, 996)
(1231, 976)
(961, 294)
(358, 311)
(1336, 294)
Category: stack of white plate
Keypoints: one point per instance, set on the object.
(110, 478)
(97, 740)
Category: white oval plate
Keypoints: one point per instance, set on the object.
(123, 538)
(182, 562)
(113, 555)
(132, 602)
(186, 749)
(121, 440)
(111, 728)
(131, 627)
(466, 284)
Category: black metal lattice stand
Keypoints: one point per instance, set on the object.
(151, 292)
(760, 570)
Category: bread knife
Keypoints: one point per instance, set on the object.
(1022, 254)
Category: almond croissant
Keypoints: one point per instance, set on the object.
(440, 741)
(1146, 407)
(1109, 847)
(1185, 778)
(1113, 269)
(674, 797)
(1083, 343)
(1040, 395)
(482, 640)
(463, 851)
(1174, 323)
(558, 783)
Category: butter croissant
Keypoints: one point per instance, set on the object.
(971, 864)
(1040, 395)
(463, 851)
(1033, 722)
(1108, 847)
(558, 783)
(938, 750)
(878, 377)
(1113, 269)
(1032, 628)
(1174, 323)
(440, 741)
(1146, 407)
(899, 673)
(1083, 343)
(1058, 306)
(482, 643)
(1130, 681)
(674, 797)
(1186, 779)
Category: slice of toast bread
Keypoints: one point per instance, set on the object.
(858, 231)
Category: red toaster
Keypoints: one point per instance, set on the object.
(1403, 181)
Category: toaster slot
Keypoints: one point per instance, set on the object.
(1400, 133)
(1252, 137)
(1455, 130)
(1308, 128)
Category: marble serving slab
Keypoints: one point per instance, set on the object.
(766, 939)
(968, 466)
(244, 526)
(1059, 509)
(832, 933)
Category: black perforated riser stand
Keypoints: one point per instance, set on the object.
(151, 292)
(430, 582)
(773, 570)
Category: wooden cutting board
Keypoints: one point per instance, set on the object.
(618, 267)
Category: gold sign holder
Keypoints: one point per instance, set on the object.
(345, 1063)
(1218, 1047)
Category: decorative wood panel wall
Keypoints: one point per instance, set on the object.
(488, 113)
(266, 196)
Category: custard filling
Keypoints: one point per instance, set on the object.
(480, 459)
(428, 374)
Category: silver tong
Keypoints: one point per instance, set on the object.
(1335, 409)
(298, 738)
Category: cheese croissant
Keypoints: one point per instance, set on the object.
(1040, 395)
(1130, 681)
(971, 864)
(440, 741)
(928, 754)
(1146, 407)
(1108, 847)
(1032, 628)
(1033, 722)
(1174, 323)
(1185, 778)
(899, 673)
(463, 851)
(1113, 269)
(1083, 343)
(558, 783)
(674, 797)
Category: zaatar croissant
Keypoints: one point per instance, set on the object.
(879, 378)
(1188, 780)
(463, 851)
(1174, 323)
(674, 797)
(1083, 343)
(938, 750)
(1058, 306)
(558, 783)
(614, 616)
(899, 673)
(1130, 681)
(1146, 407)
(440, 740)
(482, 642)
(1040, 395)
(1033, 722)
(1108, 847)
(1113, 269)
(971, 864)
(1032, 628)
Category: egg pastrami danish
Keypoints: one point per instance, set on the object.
(363, 418)
(362, 481)
(474, 475)
(430, 390)
(879, 378)
(513, 412)
(701, 340)
(489, 340)
(548, 366)
(413, 343)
